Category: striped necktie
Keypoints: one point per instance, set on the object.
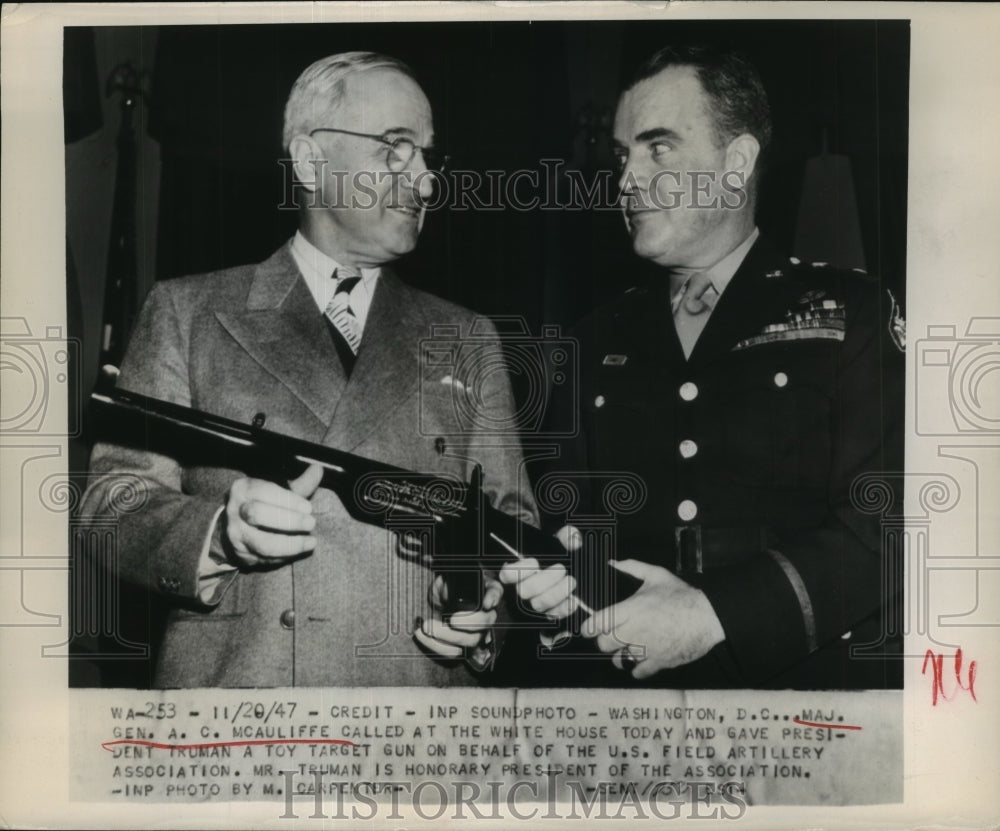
(345, 326)
(691, 307)
(339, 311)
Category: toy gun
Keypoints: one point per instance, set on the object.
(460, 530)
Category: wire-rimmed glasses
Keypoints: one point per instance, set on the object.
(401, 150)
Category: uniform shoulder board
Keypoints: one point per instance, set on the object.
(795, 267)
(818, 269)
(897, 324)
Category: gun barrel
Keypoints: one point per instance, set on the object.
(470, 535)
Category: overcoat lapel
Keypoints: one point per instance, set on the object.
(387, 370)
(282, 330)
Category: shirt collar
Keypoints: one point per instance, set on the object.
(317, 268)
(723, 271)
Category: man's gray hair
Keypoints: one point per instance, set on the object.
(318, 90)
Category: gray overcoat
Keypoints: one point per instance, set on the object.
(248, 340)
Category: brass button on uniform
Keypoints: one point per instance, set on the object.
(688, 448)
(780, 379)
(287, 618)
(687, 510)
(599, 401)
(689, 391)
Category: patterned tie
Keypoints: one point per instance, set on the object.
(339, 311)
(691, 307)
(345, 327)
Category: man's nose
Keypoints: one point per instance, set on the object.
(631, 177)
(423, 176)
(631, 182)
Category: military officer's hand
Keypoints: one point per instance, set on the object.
(464, 630)
(265, 524)
(667, 623)
(548, 591)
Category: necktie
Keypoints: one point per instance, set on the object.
(691, 307)
(344, 326)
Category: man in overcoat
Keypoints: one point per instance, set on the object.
(278, 585)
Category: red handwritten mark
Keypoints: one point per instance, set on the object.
(823, 724)
(937, 683)
(246, 743)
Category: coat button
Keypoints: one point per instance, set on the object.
(689, 391)
(780, 379)
(288, 618)
(599, 401)
(688, 448)
(687, 510)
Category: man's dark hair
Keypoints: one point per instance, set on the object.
(732, 84)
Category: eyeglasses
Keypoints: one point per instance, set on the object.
(401, 150)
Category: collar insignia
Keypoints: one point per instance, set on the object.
(614, 360)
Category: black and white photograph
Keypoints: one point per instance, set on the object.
(723, 473)
(502, 416)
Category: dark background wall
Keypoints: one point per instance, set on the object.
(505, 96)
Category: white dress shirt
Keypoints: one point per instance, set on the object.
(317, 270)
(719, 274)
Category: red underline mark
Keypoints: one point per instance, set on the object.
(831, 726)
(247, 743)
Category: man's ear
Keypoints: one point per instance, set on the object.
(741, 156)
(308, 162)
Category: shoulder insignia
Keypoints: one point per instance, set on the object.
(820, 265)
(776, 273)
(897, 325)
(810, 296)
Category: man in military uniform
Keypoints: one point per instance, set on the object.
(748, 391)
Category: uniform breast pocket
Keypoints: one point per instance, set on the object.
(626, 420)
(779, 428)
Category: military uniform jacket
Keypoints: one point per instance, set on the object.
(746, 455)
(249, 340)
